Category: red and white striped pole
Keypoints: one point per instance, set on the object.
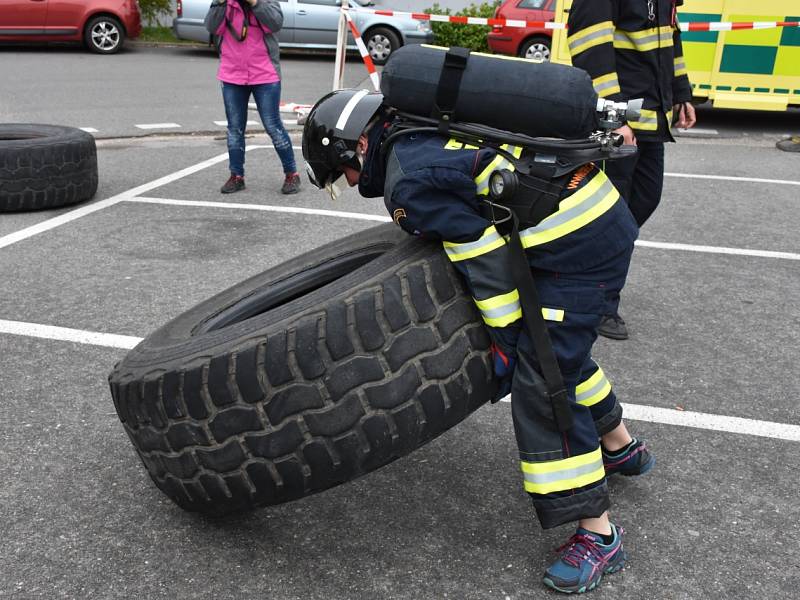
(362, 49)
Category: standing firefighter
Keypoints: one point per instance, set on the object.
(632, 49)
(435, 187)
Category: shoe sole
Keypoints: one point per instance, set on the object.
(232, 191)
(588, 588)
(612, 336)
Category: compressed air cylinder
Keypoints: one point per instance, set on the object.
(513, 94)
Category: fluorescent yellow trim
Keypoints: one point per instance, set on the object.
(483, 245)
(498, 301)
(580, 41)
(496, 304)
(553, 314)
(549, 471)
(594, 381)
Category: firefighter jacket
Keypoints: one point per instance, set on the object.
(433, 187)
(632, 49)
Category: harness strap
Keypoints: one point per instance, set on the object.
(534, 322)
(455, 61)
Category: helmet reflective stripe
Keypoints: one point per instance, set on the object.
(348, 109)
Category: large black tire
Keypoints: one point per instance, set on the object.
(306, 376)
(45, 166)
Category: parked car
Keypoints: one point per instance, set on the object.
(312, 24)
(527, 42)
(102, 25)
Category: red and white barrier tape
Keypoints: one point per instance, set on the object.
(362, 49)
(693, 26)
(293, 107)
(718, 26)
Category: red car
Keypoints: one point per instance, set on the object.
(527, 42)
(102, 25)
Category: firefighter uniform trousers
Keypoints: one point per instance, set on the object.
(579, 256)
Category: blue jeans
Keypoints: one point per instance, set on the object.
(267, 97)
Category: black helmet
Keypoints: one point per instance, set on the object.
(331, 133)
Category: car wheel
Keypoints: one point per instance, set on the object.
(381, 42)
(104, 35)
(45, 166)
(536, 49)
(308, 375)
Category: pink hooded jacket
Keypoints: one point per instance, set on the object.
(254, 60)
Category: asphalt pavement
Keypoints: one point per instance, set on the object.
(707, 378)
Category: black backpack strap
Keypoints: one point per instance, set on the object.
(455, 61)
(534, 322)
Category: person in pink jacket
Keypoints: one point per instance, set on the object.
(249, 65)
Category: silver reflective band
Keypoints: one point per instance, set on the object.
(560, 218)
(592, 391)
(592, 36)
(348, 109)
(502, 311)
(471, 246)
(540, 478)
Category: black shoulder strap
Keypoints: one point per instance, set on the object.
(534, 322)
(455, 61)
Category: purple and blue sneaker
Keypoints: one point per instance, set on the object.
(633, 459)
(583, 561)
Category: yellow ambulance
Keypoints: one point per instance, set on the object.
(747, 69)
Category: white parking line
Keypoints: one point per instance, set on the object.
(635, 412)
(88, 129)
(730, 178)
(65, 334)
(264, 207)
(225, 123)
(712, 422)
(386, 219)
(157, 126)
(88, 209)
(719, 250)
(698, 131)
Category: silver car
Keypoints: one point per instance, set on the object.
(312, 24)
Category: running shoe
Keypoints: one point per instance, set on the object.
(583, 561)
(633, 459)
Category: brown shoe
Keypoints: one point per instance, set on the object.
(234, 184)
(291, 185)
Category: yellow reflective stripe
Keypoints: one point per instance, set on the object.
(499, 162)
(594, 389)
(553, 314)
(644, 40)
(580, 41)
(680, 66)
(581, 208)
(501, 310)
(606, 85)
(490, 240)
(453, 144)
(565, 474)
(648, 121)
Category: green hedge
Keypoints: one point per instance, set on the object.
(466, 36)
(152, 9)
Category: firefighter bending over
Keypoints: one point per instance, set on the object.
(579, 257)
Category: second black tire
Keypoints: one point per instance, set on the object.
(45, 166)
(306, 376)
